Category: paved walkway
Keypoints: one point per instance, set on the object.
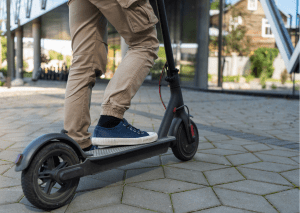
(248, 157)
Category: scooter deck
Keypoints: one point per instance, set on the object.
(101, 160)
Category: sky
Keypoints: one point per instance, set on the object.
(64, 47)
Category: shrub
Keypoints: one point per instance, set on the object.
(274, 86)
(263, 59)
(1, 83)
(283, 76)
(249, 78)
(263, 78)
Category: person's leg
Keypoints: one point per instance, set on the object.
(89, 45)
(135, 21)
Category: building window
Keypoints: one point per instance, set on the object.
(234, 22)
(252, 4)
(266, 29)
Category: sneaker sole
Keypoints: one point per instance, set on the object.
(125, 141)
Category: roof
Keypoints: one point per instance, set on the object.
(228, 8)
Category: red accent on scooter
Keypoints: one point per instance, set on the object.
(192, 130)
(174, 110)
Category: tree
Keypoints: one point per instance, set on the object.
(215, 5)
(55, 55)
(237, 41)
(4, 47)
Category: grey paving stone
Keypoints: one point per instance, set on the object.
(270, 177)
(2, 162)
(154, 160)
(8, 182)
(17, 208)
(198, 166)
(243, 159)
(223, 209)
(272, 167)
(9, 155)
(223, 176)
(166, 185)
(138, 175)
(254, 187)
(229, 146)
(257, 147)
(185, 175)
(217, 137)
(205, 146)
(292, 146)
(147, 199)
(169, 159)
(238, 141)
(10, 195)
(87, 183)
(186, 202)
(211, 158)
(294, 158)
(113, 176)
(281, 153)
(119, 208)
(243, 200)
(27, 203)
(97, 198)
(285, 202)
(275, 159)
(292, 176)
(4, 168)
(218, 151)
(12, 173)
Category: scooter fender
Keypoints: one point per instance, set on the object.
(174, 128)
(37, 144)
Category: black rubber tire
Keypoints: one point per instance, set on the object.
(31, 188)
(181, 149)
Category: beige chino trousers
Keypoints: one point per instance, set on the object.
(135, 21)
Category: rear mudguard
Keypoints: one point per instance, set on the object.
(174, 128)
(37, 144)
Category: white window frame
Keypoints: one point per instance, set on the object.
(250, 7)
(234, 22)
(265, 24)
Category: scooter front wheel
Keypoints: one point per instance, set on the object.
(39, 187)
(182, 149)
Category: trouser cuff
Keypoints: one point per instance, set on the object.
(115, 111)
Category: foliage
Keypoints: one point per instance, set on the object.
(55, 55)
(4, 47)
(274, 86)
(25, 65)
(263, 60)
(263, 78)
(4, 71)
(249, 78)
(27, 74)
(231, 78)
(215, 5)
(162, 54)
(209, 76)
(44, 58)
(1, 83)
(68, 61)
(237, 41)
(283, 76)
(187, 69)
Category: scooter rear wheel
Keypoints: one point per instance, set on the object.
(182, 149)
(39, 187)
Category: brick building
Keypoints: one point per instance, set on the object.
(253, 17)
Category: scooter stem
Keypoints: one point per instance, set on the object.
(176, 99)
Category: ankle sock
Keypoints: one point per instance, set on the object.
(107, 121)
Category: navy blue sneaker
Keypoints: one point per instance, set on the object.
(122, 134)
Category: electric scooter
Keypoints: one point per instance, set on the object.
(53, 164)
